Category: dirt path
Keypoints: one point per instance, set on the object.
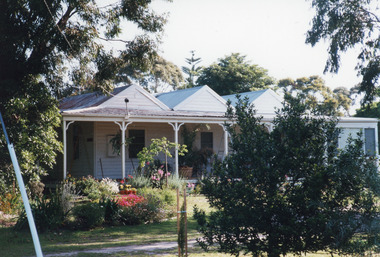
(148, 249)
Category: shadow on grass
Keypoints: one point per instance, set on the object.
(19, 243)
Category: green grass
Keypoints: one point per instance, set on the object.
(18, 244)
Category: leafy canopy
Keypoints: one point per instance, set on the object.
(290, 190)
(53, 48)
(346, 24)
(318, 95)
(233, 74)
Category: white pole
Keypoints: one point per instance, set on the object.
(123, 150)
(176, 128)
(65, 127)
(32, 225)
(225, 142)
(176, 150)
(64, 151)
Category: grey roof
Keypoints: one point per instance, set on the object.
(252, 96)
(86, 100)
(173, 98)
(116, 112)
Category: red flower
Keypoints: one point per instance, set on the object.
(122, 181)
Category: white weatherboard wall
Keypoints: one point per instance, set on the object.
(203, 100)
(138, 99)
(112, 164)
(267, 103)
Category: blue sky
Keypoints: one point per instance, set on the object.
(271, 33)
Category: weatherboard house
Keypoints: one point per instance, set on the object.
(91, 120)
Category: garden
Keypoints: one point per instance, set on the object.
(90, 209)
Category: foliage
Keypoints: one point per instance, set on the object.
(89, 215)
(161, 75)
(175, 182)
(162, 145)
(38, 40)
(94, 189)
(345, 25)
(193, 71)
(129, 200)
(30, 119)
(233, 74)
(112, 211)
(318, 95)
(291, 190)
(116, 142)
(141, 181)
(148, 211)
(10, 203)
(48, 214)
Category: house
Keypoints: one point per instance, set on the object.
(91, 120)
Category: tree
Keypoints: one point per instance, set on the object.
(317, 94)
(161, 74)
(347, 24)
(54, 47)
(159, 145)
(233, 74)
(290, 190)
(193, 71)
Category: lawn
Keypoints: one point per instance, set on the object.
(20, 243)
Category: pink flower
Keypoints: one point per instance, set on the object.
(160, 172)
(168, 174)
(147, 163)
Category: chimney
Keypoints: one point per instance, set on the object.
(126, 104)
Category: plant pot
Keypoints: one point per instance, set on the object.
(186, 171)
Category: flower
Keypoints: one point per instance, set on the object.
(147, 163)
(122, 181)
(160, 172)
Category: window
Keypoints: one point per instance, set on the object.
(370, 144)
(138, 142)
(207, 140)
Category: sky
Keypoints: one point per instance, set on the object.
(271, 33)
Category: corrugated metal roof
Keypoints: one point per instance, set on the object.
(87, 100)
(252, 96)
(173, 98)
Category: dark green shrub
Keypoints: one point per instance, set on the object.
(48, 214)
(89, 215)
(112, 211)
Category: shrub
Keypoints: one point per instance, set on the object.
(176, 183)
(67, 192)
(112, 211)
(148, 211)
(108, 187)
(94, 189)
(10, 203)
(166, 196)
(89, 215)
(48, 214)
(140, 181)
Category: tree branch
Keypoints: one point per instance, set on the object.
(114, 40)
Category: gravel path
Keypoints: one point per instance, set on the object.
(149, 249)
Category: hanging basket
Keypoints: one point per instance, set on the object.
(186, 171)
